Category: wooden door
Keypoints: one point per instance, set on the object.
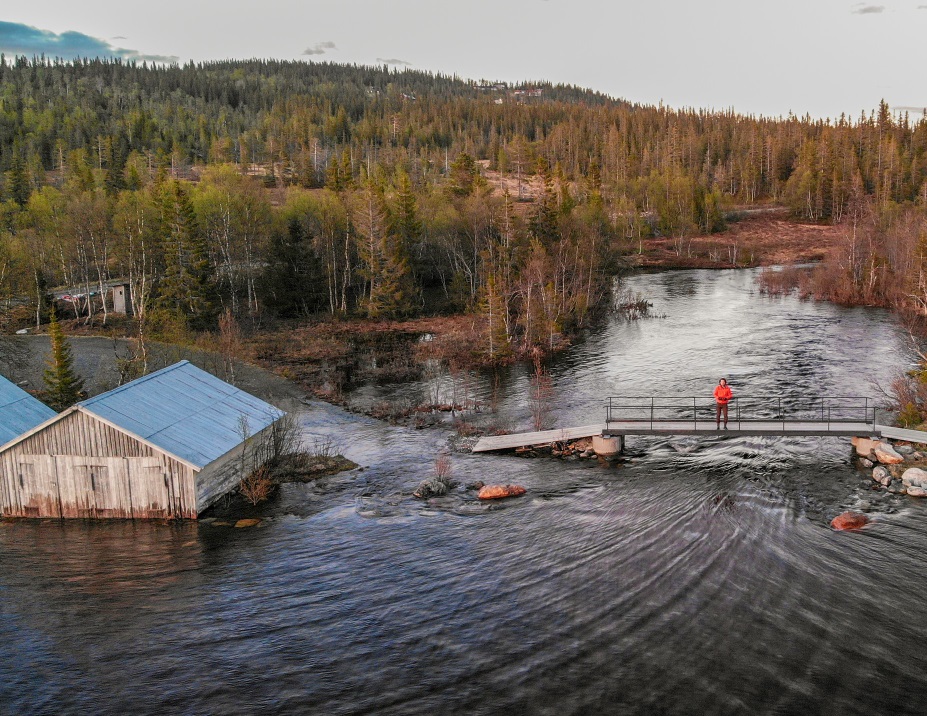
(35, 486)
(150, 483)
(109, 486)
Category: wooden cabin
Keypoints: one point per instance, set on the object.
(167, 445)
(19, 411)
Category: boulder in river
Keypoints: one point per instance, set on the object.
(496, 492)
(914, 477)
(904, 449)
(915, 491)
(865, 447)
(886, 454)
(882, 475)
(866, 462)
(896, 487)
(433, 487)
(849, 521)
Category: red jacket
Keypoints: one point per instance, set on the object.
(723, 394)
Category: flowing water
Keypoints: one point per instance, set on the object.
(698, 577)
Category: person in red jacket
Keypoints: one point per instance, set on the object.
(723, 395)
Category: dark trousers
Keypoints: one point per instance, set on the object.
(721, 407)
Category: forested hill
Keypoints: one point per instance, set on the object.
(291, 188)
(296, 116)
(50, 105)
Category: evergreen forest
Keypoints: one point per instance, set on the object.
(273, 190)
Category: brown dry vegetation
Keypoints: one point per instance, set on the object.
(762, 239)
(327, 355)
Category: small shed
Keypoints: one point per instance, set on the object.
(167, 445)
(121, 303)
(19, 411)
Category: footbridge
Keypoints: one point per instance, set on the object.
(757, 415)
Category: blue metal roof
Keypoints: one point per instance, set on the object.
(185, 411)
(19, 411)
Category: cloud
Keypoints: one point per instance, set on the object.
(320, 48)
(18, 39)
(392, 61)
(869, 9)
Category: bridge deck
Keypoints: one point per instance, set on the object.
(795, 428)
(913, 436)
(510, 442)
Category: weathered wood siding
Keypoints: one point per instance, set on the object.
(81, 467)
(222, 475)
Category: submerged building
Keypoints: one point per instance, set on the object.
(19, 411)
(167, 445)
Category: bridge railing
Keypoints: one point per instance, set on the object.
(748, 409)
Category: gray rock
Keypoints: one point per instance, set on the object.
(882, 475)
(433, 487)
(896, 487)
(866, 462)
(915, 477)
(904, 449)
(915, 491)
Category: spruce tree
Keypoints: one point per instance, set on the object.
(18, 186)
(64, 386)
(291, 282)
(544, 223)
(186, 289)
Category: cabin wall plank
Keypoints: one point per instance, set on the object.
(79, 467)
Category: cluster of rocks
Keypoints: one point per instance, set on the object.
(897, 468)
(581, 449)
(441, 485)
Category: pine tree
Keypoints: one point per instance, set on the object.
(544, 222)
(185, 289)
(292, 283)
(392, 291)
(64, 386)
(463, 174)
(404, 221)
(494, 308)
(17, 181)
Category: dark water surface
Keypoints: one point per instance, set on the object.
(699, 577)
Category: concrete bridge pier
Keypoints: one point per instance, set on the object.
(608, 445)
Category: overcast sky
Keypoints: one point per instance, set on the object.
(822, 57)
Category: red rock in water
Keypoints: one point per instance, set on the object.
(496, 492)
(849, 521)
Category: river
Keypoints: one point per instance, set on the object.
(697, 577)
